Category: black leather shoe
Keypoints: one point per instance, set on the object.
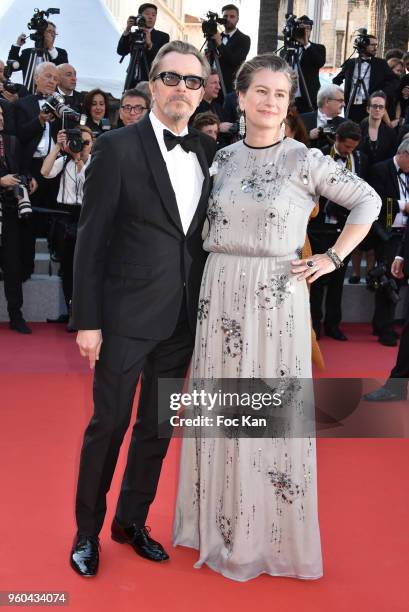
(388, 340)
(354, 279)
(385, 394)
(140, 541)
(61, 319)
(335, 333)
(84, 557)
(20, 326)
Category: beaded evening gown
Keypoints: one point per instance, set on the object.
(250, 505)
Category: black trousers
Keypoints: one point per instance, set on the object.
(44, 197)
(384, 313)
(121, 362)
(332, 282)
(399, 376)
(17, 257)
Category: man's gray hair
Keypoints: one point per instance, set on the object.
(178, 46)
(326, 92)
(44, 66)
(61, 67)
(404, 146)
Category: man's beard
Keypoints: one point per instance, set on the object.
(179, 114)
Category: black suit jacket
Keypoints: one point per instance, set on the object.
(23, 57)
(12, 151)
(383, 178)
(404, 252)
(8, 116)
(133, 262)
(158, 40)
(381, 77)
(232, 55)
(387, 143)
(28, 127)
(312, 59)
(76, 100)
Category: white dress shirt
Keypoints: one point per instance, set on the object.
(71, 189)
(184, 172)
(401, 219)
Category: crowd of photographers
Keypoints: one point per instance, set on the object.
(47, 130)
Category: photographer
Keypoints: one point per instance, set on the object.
(322, 123)
(232, 46)
(70, 168)
(16, 228)
(10, 91)
(51, 53)
(371, 73)
(312, 57)
(67, 82)
(153, 39)
(390, 179)
(36, 130)
(324, 229)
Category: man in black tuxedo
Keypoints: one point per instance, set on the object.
(67, 82)
(232, 46)
(374, 73)
(137, 273)
(154, 40)
(323, 123)
(396, 387)
(390, 179)
(324, 229)
(16, 228)
(51, 54)
(36, 130)
(312, 57)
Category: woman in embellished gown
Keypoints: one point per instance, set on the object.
(250, 505)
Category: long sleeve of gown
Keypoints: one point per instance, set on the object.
(329, 179)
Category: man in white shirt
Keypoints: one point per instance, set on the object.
(137, 273)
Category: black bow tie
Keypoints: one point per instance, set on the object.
(189, 142)
(337, 157)
(41, 96)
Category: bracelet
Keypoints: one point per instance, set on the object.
(338, 263)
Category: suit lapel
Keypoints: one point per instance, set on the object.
(159, 170)
(201, 206)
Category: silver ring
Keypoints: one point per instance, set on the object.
(310, 263)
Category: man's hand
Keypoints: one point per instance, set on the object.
(21, 40)
(44, 117)
(314, 134)
(405, 92)
(33, 185)
(89, 342)
(7, 95)
(218, 39)
(225, 127)
(397, 268)
(129, 24)
(9, 180)
(148, 39)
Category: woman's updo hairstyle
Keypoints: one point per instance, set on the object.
(267, 61)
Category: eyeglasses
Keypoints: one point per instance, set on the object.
(377, 106)
(171, 79)
(138, 108)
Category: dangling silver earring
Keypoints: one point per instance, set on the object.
(282, 130)
(242, 124)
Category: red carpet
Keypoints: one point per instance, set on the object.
(45, 405)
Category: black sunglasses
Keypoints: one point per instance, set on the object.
(171, 79)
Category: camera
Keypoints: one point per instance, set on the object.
(294, 28)
(39, 23)
(9, 67)
(137, 31)
(378, 281)
(56, 105)
(362, 40)
(20, 192)
(209, 26)
(139, 20)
